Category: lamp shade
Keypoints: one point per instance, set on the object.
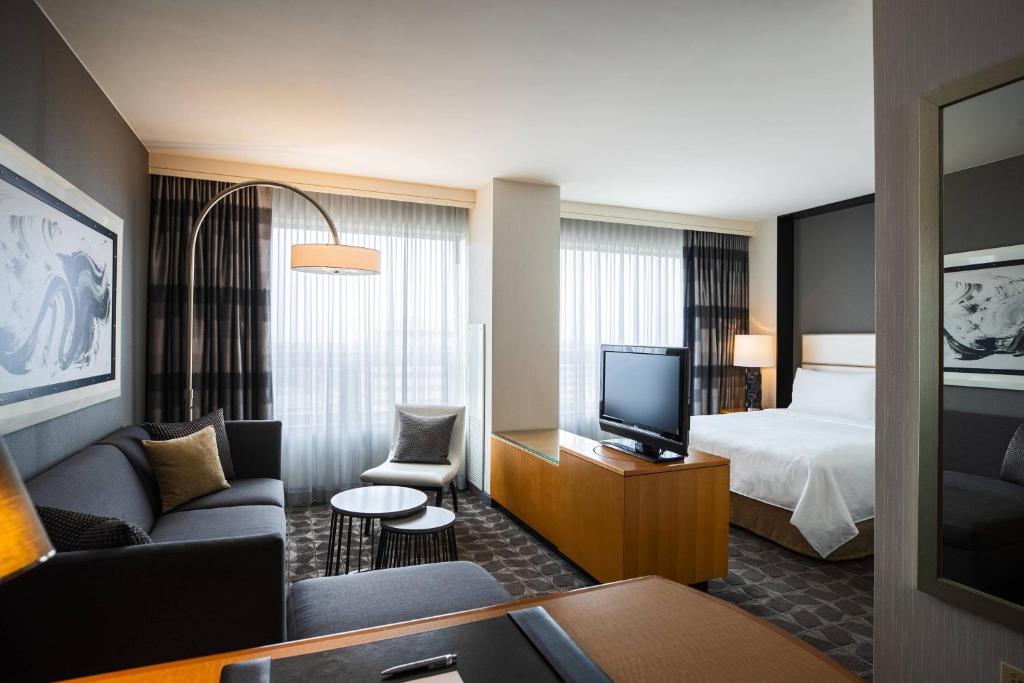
(340, 259)
(754, 351)
(23, 541)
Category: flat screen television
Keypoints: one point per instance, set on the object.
(645, 398)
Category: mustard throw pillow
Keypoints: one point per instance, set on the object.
(186, 468)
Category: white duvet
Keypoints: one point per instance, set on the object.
(821, 469)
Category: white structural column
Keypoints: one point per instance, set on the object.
(763, 294)
(514, 292)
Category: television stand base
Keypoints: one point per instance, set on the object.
(641, 450)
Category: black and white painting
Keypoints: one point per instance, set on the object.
(983, 318)
(59, 278)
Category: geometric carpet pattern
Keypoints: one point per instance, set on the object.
(827, 604)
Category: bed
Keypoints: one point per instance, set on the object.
(804, 476)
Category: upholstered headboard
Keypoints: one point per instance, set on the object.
(839, 352)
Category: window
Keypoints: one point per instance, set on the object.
(345, 350)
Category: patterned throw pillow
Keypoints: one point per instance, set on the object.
(424, 438)
(1013, 460)
(70, 530)
(163, 431)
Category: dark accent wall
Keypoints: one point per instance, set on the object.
(983, 207)
(826, 279)
(54, 110)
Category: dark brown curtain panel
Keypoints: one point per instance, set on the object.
(232, 311)
(716, 310)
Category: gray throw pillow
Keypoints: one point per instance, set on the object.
(424, 438)
(164, 431)
(1013, 460)
(70, 530)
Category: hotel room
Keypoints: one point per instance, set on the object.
(511, 341)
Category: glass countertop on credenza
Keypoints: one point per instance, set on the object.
(542, 442)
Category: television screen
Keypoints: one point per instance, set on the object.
(642, 389)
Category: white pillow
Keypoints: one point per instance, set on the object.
(842, 395)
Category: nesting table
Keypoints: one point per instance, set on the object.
(421, 538)
(361, 507)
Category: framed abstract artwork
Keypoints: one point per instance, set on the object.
(983, 318)
(60, 273)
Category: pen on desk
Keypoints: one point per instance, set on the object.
(439, 662)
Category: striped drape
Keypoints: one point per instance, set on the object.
(231, 336)
(717, 309)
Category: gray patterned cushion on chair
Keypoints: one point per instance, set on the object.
(424, 438)
(70, 530)
(1012, 469)
(164, 431)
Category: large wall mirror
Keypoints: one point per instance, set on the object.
(972, 344)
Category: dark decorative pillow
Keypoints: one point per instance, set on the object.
(424, 438)
(1013, 460)
(164, 431)
(70, 530)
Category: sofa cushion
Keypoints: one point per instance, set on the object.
(334, 604)
(164, 431)
(129, 440)
(97, 480)
(228, 522)
(242, 492)
(981, 513)
(70, 530)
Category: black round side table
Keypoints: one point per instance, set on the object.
(425, 537)
(359, 507)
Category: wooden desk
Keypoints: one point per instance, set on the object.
(614, 515)
(647, 629)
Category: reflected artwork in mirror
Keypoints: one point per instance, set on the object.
(977, 276)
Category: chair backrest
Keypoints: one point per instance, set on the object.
(457, 447)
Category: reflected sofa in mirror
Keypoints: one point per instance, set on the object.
(972, 344)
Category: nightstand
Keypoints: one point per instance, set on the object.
(726, 411)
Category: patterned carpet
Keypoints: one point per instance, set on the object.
(829, 605)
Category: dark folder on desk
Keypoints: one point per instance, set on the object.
(526, 645)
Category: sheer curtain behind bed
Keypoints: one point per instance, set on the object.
(345, 350)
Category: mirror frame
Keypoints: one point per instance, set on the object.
(929, 232)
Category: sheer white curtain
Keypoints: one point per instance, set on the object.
(620, 284)
(345, 350)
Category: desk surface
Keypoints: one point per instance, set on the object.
(647, 629)
(550, 443)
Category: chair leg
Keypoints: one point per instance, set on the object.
(455, 496)
(439, 498)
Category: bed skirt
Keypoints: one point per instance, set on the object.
(772, 523)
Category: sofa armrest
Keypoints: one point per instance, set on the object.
(255, 448)
(101, 610)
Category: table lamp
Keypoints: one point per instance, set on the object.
(753, 352)
(23, 541)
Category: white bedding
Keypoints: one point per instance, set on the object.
(822, 469)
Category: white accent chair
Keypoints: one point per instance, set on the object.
(421, 475)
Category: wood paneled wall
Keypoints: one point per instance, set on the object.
(919, 44)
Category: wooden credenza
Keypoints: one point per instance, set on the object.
(616, 516)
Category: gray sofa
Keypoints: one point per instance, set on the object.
(214, 578)
(982, 515)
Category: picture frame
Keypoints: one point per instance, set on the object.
(60, 278)
(983, 295)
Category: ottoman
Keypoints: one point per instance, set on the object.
(333, 604)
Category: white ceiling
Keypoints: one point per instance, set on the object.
(726, 108)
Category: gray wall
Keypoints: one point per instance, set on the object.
(834, 273)
(983, 207)
(919, 44)
(54, 110)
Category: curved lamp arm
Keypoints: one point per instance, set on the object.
(365, 261)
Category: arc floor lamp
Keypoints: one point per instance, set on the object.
(333, 258)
